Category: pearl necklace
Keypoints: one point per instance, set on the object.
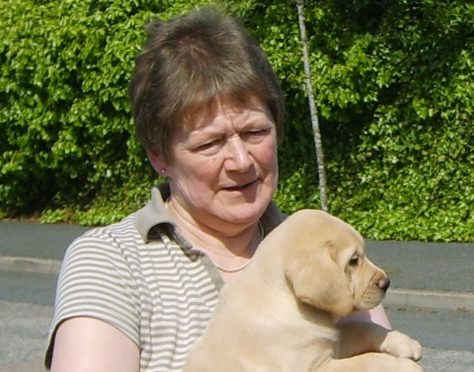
(236, 269)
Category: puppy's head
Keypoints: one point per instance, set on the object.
(326, 266)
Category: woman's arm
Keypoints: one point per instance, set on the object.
(88, 344)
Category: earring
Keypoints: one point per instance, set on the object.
(163, 172)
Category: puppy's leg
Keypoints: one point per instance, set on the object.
(361, 337)
(373, 362)
(402, 346)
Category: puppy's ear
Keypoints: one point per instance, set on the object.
(319, 281)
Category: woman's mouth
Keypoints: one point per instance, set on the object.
(241, 187)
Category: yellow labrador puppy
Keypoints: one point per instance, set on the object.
(281, 313)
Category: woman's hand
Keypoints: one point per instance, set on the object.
(376, 315)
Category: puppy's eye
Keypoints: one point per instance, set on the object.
(354, 261)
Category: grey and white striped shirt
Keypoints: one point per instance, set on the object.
(141, 276)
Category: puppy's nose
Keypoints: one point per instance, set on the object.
(384, 283)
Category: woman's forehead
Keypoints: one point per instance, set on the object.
(226, 109)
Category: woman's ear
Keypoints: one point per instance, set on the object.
(157, 163)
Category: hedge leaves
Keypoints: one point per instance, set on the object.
(393, 82)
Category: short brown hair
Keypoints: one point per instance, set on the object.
(190, 61)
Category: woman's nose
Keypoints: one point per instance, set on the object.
(238, 158)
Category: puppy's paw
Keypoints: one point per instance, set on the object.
(402, 346)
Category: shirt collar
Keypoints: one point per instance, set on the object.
(155, 214)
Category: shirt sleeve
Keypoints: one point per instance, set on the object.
(96, 281)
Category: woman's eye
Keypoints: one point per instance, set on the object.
(257, 133)
(207, 146)
(260, 131)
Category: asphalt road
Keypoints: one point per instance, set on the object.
(26, 308)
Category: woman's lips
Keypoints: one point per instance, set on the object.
(242, 187)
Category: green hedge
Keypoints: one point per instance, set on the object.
(394, 87)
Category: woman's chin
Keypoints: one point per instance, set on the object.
(243, 213)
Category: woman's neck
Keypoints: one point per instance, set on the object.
(240, 241)
(230, 250)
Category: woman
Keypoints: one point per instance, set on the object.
(134, 296)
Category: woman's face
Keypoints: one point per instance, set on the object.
(224, 167)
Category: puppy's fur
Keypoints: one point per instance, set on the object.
(280, 314)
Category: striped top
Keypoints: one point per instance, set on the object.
(141, 276)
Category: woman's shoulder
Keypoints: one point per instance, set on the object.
(117, 239)
(272, 218)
